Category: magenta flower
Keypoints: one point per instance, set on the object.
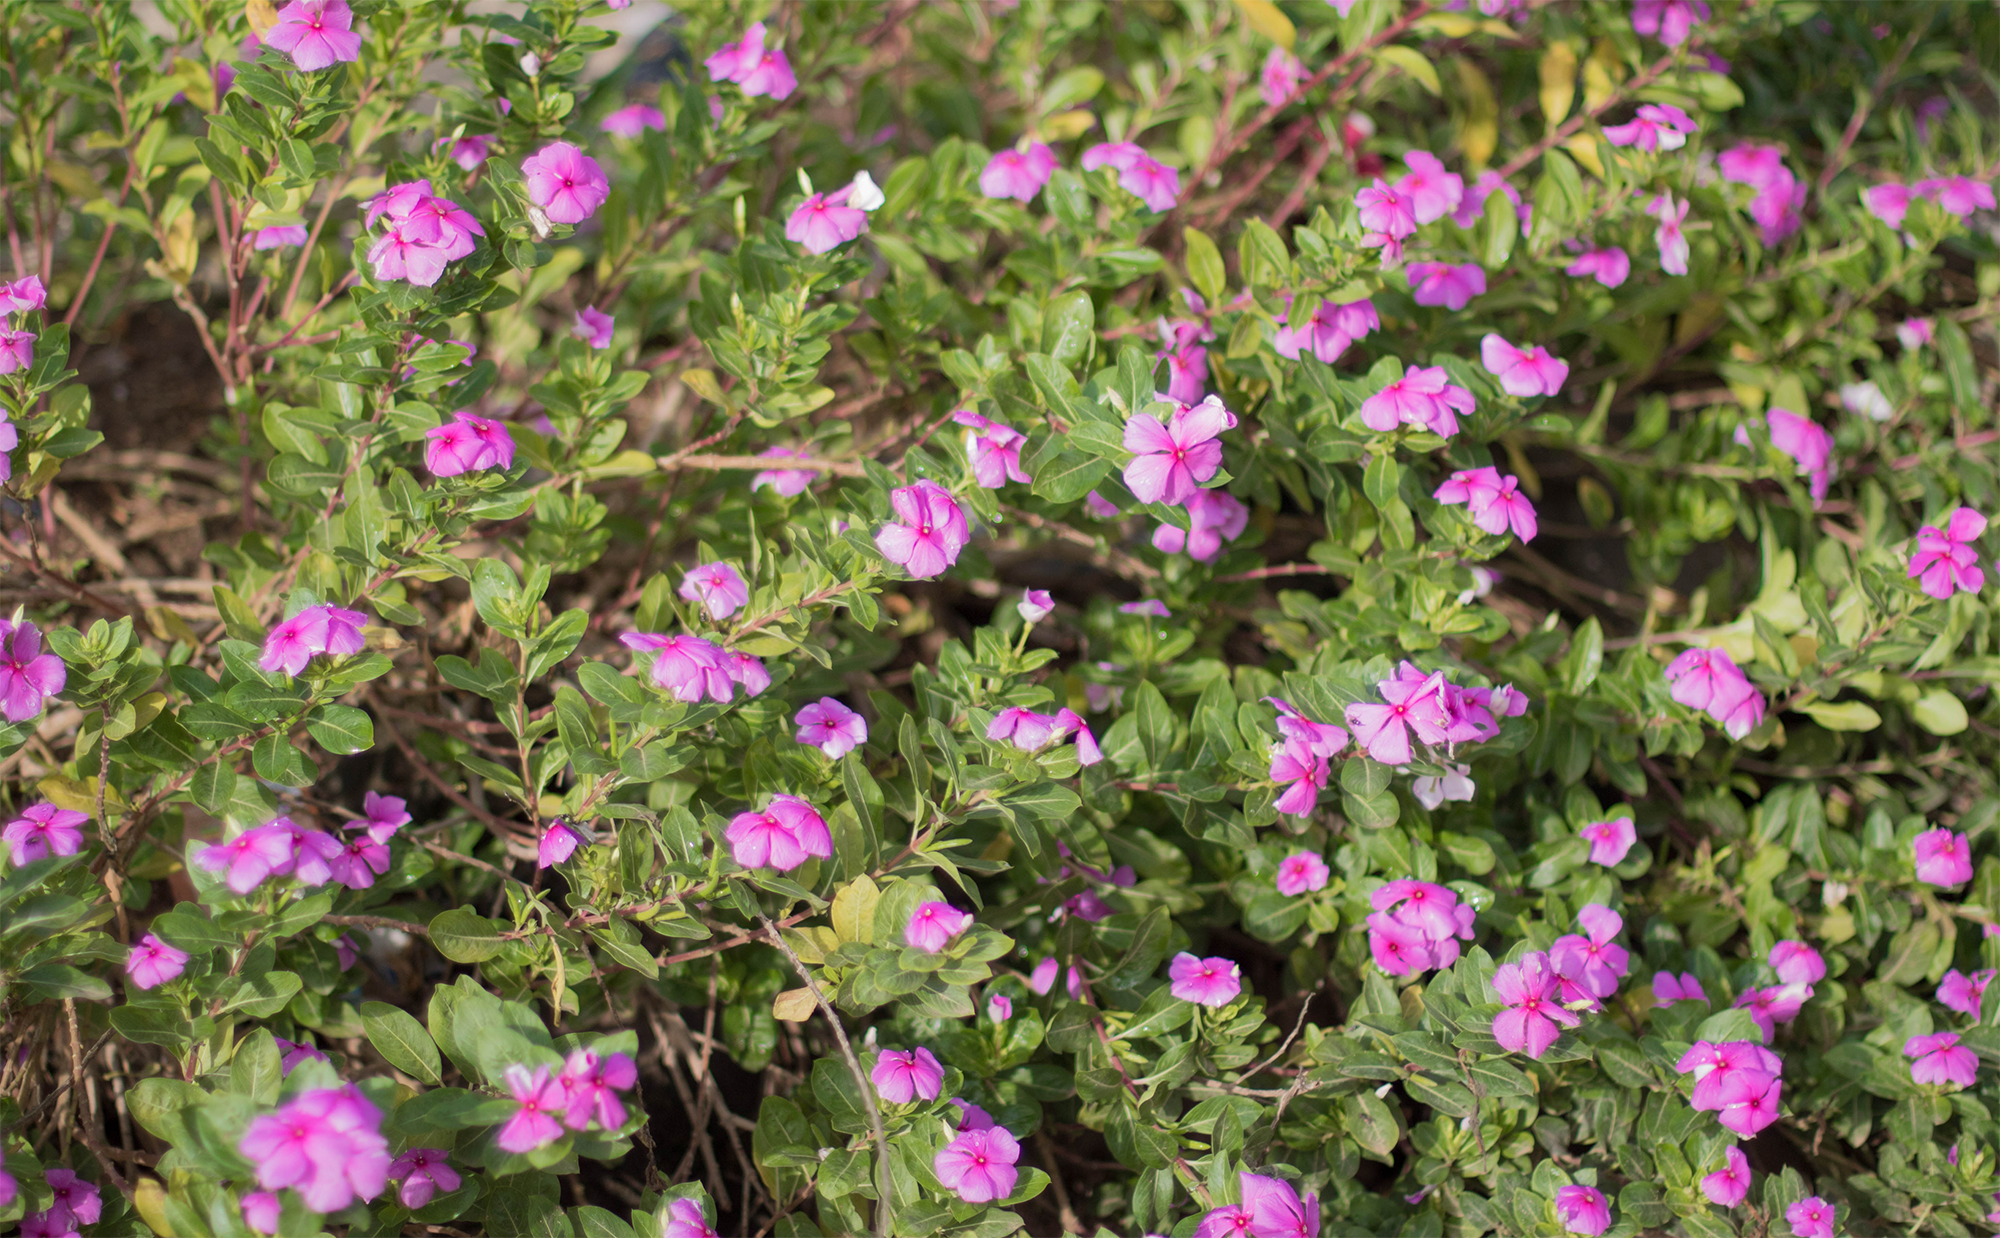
(1958, 194)
(467, 444)
(1151, 607)
(1494, 503)
(1206, 982)
(153, 962)
(382, 816)
(1174, 459)
(361, 859)
(1421, 397)
(292, 643)
(1747, 1101)
(400, 253)
(1582, 1210)
(787, 482)
(23, 296)
(593, 326)
(1797, 963)
(540, 1097)
(1914, 333)
(1730, 1185)
(901, 1076)
(1610, 841)
(1940, 1059)
(28, 677)
(971, 1117)
(979, 1165)
(685, 1218)
(1668, 236)
(1070, 723)
(316, 33)
(1670, 21)
(1431, 908)
(43, 830)
(261, 1210)
(327, 1145)
(1214, 517)
(992, 449)
(1302, 772)
(1593, 960)
(1035, 605)
(931, 534)
(1023, 728)
(282, 236)
(999, 1008)
(1439, 283)
(17, 351)
(1329, 330)
(1324, 738)
(1658, 126)
(718, 587)
(756, 69)
(558, 843)
(1383, 730)
(1713, 1065)
(1522, 372)
(1115, 155)
(76, 1201)
(1431, 192)
(1945, 560)
(1888, 202)
(471, 150)
(1473, 205)
(1187, 370)
(633, 120)
(1529, 1024)
(424, 1175)
(1139, 174)
(1301, 872)
(782, 836)
(1811, 1217)
(1398, 947)
(933, 925)
(1944, 858)
(1019, 173)
(592, 1082)
(826, 221)
(248, 858)
(1964, 993)
(1099, 507)
(1282, 78)
(293, 1052)
(1668, 989)
(1709, 680)
(1385, 212)
(831, 727)
(1608, 266)
(566, 183)
(685, 667)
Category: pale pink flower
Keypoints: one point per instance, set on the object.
(1530, 1022)
(540, 1098)
(1214, 517)
(1035, 605)
(327, 1145)
(1709, 680)
(1302, 871)
(1174, 459)
(719, 588)
(281, 236)
(1593, 960)
(1139, 174)
(1811, 1217)
(1431, 191)
(566, 183)
(1328, 331)
(1383, 729)
(1888, 202)
(1945, 560)
(993, 449)
(1964, 993)
(424, 1175)
(1797, 963)
(1944, 858)
(1439, 283)
(1115, 155)
(316, 33)
(1282, 79)
(1610, 841)
(1385, 212)
(1959, 195)
(1206, 982)
(23, 295)
(999, 1008)
(787, 482)
(1658, 126)
(1670, 21)
(1809, 446)
(901, 1076)
(783, 835)
(1302, 772)
(831, 727)
(1522, 372)
(1187, 371)
(468, 443)
(248, 858)
(17, 350)
(1582, 1210)
(978, 1166)
(1774, 1004)
(400, 254)
(756, 69)
(633, 120)
(591, 1081)
(1019, 172)
(1608, 266)
(933, 925)
(557, 843)
(593, 326)
(472, 150)
(1070, 723)
(1473, 205)
(1668, 989)
(43, 830)
(1454, 785)
(1730, 1185)
(932, 533)
(153, 962)
(1152, 608)
(261, 1210)
(687, 667)
(1668, 236)
(27, 675)
(1494, 503)
(1100, 507)
(1915, 333)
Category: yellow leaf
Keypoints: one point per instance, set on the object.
(1479, 130)
(1558, 74)
(169, 626)
(1601, 73)
(1583, 148)
(263, 15)
(149, 1197)
(1068, 126)
(1412, 62)
(854, 910)
(1846, 716)
(794, 1005)
(703, 384)
(628, 463)
(1265, 18)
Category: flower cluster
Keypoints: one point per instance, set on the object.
(327, 1145)
(583, 1092)
(783, 835)
(1740, 1081)
(1709, 680)
(1440, 713)
(689, 668)
(425, 233)
(1032, 732)
(756, 68)
(17, 349)
(28, 676)
(316, 630)
(1416, 926)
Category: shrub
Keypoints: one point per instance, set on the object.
(906, 619)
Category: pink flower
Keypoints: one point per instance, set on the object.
(153, 962)
(1940, 1059)
(1116, 155)
(1582, 1210)
(1302, 772)
(1494, 503)
(1187, 371)
(933, 925)
(1667, 989)
(1608, 266)
(1282, 79)
(1945, 560)
(1398, 947)
(400, 253)
(1944, 858)
(27, 675)
(280, 237)
(43, 830)
(1713, 1065)
(76, 1201)
(1439, 283)
(1151, 607)
(1594, 961)
(1323, 738)
(472, 150)
(1527, 989)
(1153, 182)
(1271, 1208)
(831, 727)
(248, 858)
(631, 121)
(1658, 126)
(783, 836)
(979, 1165)
(1748, 1101)
(1070, 723)
(294, 1052)
(757, 70)
(1778, 1003)
(1174, 459)
(1797, 963)
(382, 816)
(1384, 729)
(424, 1175)
(592, 1082)
(1018, 173)
(540, 1097)
(1431, 908)
(1023, 728)
(685, 1218)
(1709, 680)
(1300, 872)
(992, 449)
(558, 843)
(468, 444)
(1888, 202)
(999, 1008)
(1811, 1217)
(901, 1076)
(360, 861)
(1610, 840)
(1522, 372)
(1214, 517)
(1385, 212)
(594, 326)
(316, 33)
(1206, 982)
(1964, 993)
(1099, 507)
(1473, 205)
(292, 643)
(787, 482)
(327, 1145)
(17, 351)
(1431, 192)
(566, 183)
(261, 1210)
(1668, 236)
(1035, 605)
(932, 533)
(1329, 330)
(718, 587)
(1730, 1185)
(1914, 333)
(1670, 21)
(1958, 194)
(23, 295)
(825, 221)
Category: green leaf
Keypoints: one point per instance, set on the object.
(1585, 657)
(555, 643)
(1844, 716)
(341, 729)
(260, 997)
(1414, 63)
(1069, 475)
(1204, 266)
(1940, 713)
(402, 1042)
(464, 936)
(276, 760)
(1069, 328)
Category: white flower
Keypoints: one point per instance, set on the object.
(1456, 785)
(1866, 399)
(867, 196)
(531, 64)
